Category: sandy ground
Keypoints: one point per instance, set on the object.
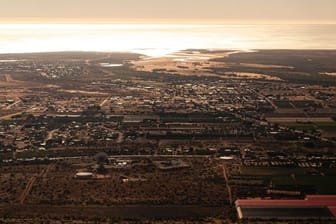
(329, 73)
(200, 64)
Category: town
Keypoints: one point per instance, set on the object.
(169, 138)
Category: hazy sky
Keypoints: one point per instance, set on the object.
(158, 10)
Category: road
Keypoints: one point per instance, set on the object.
(32, 181)
(135, 156)
(50, 135)
(120, 138)
(18, 100)
(26, 191)
(9, 78)
(123, 156)
(228, 187)
(9, 116)
(105, 101)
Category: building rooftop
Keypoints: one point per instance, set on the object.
(313, 206)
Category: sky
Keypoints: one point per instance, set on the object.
(268, 11)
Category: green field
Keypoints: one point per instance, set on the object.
(283, 180)
(323, 184)
(283, 104)
(271, 171)
(295, 176)
(324, 126)
(302, 103)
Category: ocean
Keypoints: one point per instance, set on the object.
(161, 39)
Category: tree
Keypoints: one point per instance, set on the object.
(102, 159)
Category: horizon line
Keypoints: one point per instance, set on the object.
(38, 20)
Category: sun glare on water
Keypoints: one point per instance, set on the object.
(154, 39)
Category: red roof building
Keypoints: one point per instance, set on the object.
(313, 206)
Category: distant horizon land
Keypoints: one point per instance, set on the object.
(168, 55)
(158, 39)
(40, 20)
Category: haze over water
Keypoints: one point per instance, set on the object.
(161, 39)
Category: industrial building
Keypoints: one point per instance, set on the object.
(312, 207)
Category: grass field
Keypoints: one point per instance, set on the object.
(271, 171)
(324, 126)
(323, 184)
(302, 103)
(283, 104)
(284, 176)
(283, 180)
